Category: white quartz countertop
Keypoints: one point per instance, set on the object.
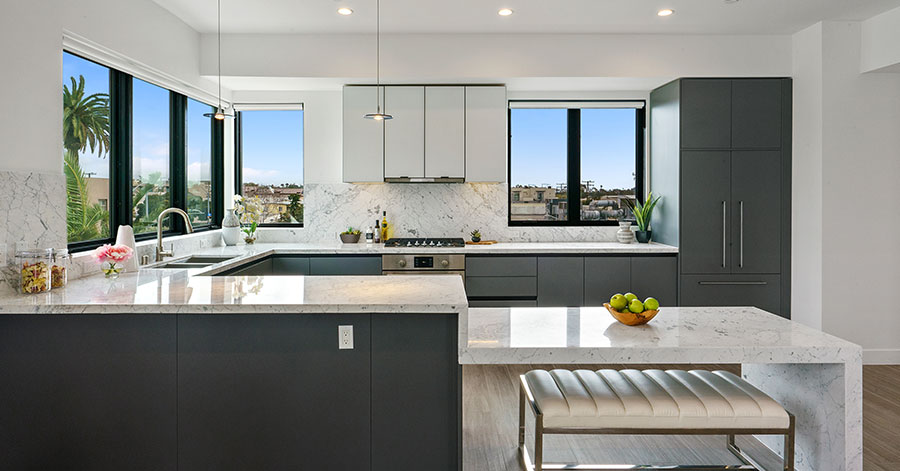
(676, 335)
(178, 291)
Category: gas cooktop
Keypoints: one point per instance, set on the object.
(425, 242)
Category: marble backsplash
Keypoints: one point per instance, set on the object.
(421, 210)
(32, 214)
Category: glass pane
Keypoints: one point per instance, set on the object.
(150, 155)
(86, 148)
(272, 157)
(608, 140)
(538, 165)
(199, 161)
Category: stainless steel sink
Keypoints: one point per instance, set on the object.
(194, 261)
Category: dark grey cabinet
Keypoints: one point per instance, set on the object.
(705, 114)
(92, 392)
(656, 277)
(705, 200)
(290, 265)
(606, 276)
(262, 267)
(345, 265)
(416, 393)
(272, 392)
(501, 280)
(733, 191)
(756, 118)
(560, 281)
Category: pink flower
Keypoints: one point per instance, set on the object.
(112, 253)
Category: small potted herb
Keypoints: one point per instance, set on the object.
(476, 236)
(642, 214)
(350, 236)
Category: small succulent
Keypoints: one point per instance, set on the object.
(476, 235)
(351, 231)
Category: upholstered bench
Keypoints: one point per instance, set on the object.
(649, 402)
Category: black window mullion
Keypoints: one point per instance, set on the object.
(121, 153)
(238, 154)
(217, 170)
(573, 197)
(177, 158)
(640, 126)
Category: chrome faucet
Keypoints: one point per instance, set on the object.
(160, 253)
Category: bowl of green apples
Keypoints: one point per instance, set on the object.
(630, 310)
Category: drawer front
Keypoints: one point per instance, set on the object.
(500, 286)
(762, 291)
(345, 265)
(260, 268)
(503, 303)
(501, 266)
(606, 276)
(290, 265)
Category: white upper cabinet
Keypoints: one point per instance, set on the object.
(487, 134)
(363, 139)
(404, 136)
(445, 132)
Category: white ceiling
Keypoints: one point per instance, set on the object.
(531, 16)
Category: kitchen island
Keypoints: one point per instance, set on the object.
(815, 376)
(163, 369)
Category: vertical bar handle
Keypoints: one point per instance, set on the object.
(723, 233)
(741, 261)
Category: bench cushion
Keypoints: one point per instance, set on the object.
(652, 399)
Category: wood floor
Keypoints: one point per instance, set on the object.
(490, 421)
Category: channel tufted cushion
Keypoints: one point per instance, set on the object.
(652, 399)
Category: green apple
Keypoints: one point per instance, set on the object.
(636, 306)
(651, 304)
(630, 296)
(618, 302)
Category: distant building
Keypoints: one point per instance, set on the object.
(275, 199)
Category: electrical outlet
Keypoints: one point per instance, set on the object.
(345, 337)
(204, 243)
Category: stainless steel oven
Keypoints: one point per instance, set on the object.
(424, 264)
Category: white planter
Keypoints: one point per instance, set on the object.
(231, 228)
(624, 234)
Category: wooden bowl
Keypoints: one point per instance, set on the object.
(630, 318)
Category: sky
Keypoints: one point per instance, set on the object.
(607, 147)
(273, 140)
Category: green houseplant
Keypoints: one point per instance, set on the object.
(476, 236)
(642, 214)
(350, 236)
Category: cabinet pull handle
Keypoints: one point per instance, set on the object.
(732, 283)
(741, 261)
(723, 233)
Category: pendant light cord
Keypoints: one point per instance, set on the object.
(219, 47)
(377, 53)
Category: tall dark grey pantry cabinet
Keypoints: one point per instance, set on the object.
(720, 156)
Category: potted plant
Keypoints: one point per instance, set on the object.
(642, 214)
(350, 236)
(476, 236)
(250, 211)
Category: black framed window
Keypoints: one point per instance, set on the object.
(561, 153)
(132, 149)
(269, 162)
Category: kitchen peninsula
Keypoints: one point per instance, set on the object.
(164, 369)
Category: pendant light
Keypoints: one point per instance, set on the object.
(378, 115)
(220, 113)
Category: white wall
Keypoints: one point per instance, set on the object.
(493, 57)
(847, 151)
(32, 33)
(881, 42)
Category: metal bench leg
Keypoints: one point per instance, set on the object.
(538, 443)
(789, 445)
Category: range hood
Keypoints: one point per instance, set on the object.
(424, 180)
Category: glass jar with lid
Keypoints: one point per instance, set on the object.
(59, 268)
(34, 270)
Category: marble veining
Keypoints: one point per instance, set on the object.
(421, 210)
(33, 215)
(181, 291)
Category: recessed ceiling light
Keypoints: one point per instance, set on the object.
(345, 11)
(665, 12)
(504, 12)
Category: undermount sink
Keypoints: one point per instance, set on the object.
(194, 261)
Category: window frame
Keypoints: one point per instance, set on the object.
(239, 152)
(573, 163)
(121, 159)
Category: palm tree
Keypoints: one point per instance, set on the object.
(85, 125)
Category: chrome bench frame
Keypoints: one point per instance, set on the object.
(748, 463)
